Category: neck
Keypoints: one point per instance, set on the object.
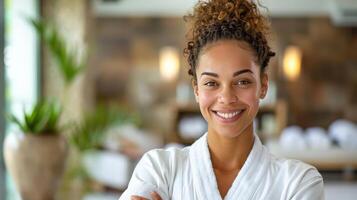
(228, 154)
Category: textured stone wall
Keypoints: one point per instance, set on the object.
(325, 90)
(127, 67)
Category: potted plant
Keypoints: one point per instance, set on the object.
(86, 139)
(35, 155)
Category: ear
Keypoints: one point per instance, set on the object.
(195, 89)
(264, 85)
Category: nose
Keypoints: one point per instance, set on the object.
(227, 95)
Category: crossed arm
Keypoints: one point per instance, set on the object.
(154, 196)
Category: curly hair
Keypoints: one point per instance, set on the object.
(214, 20)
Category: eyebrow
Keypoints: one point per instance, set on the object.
(242, 72)
(209, 74)
(234, 74)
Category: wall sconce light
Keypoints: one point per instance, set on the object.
(169, 63)
(292, 62)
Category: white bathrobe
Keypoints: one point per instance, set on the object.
(187, 174)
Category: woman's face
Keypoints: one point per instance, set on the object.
(229, 86)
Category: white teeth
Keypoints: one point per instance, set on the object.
(228, 115)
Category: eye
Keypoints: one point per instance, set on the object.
(243, 83)
(211, 84)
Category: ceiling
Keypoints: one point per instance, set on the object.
(342, 12)
(181, 7)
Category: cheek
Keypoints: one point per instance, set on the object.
(205, 99)
(251, 98)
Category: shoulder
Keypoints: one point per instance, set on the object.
(165, 156)
(295, 168)
(162, 162)
(155, 172)
(301, 180)
(168, 153)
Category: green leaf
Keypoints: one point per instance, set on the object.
(15, 120)
(54, 111)
(90, 132)
(66, 59)
(42, 118)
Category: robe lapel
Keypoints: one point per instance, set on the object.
(244, 185)
(204, 180)
(251, 175)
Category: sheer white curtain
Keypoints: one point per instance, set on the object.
(21, 55)
(21, 63)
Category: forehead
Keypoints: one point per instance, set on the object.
(227, 55)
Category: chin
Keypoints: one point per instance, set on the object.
(230, 132)
(230, 129)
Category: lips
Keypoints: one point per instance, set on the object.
(228, 116)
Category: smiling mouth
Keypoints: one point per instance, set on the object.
(229, 116)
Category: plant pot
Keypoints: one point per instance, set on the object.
(35, 163)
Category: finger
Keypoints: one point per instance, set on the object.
(135, 197)
(155, 196)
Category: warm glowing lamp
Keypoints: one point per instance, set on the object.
(292, 62)
(169, 63)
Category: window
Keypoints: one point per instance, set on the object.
(20, 64)
(2, 101)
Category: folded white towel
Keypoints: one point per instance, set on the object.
(107, 167)
(192, 127)
(317, 138)
(345, 133)
(292, 137)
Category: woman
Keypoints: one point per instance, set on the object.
(228, 54)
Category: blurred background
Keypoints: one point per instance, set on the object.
(117, 81)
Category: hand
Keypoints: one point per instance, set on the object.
(154, 196)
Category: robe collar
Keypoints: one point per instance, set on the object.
(245, 184)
